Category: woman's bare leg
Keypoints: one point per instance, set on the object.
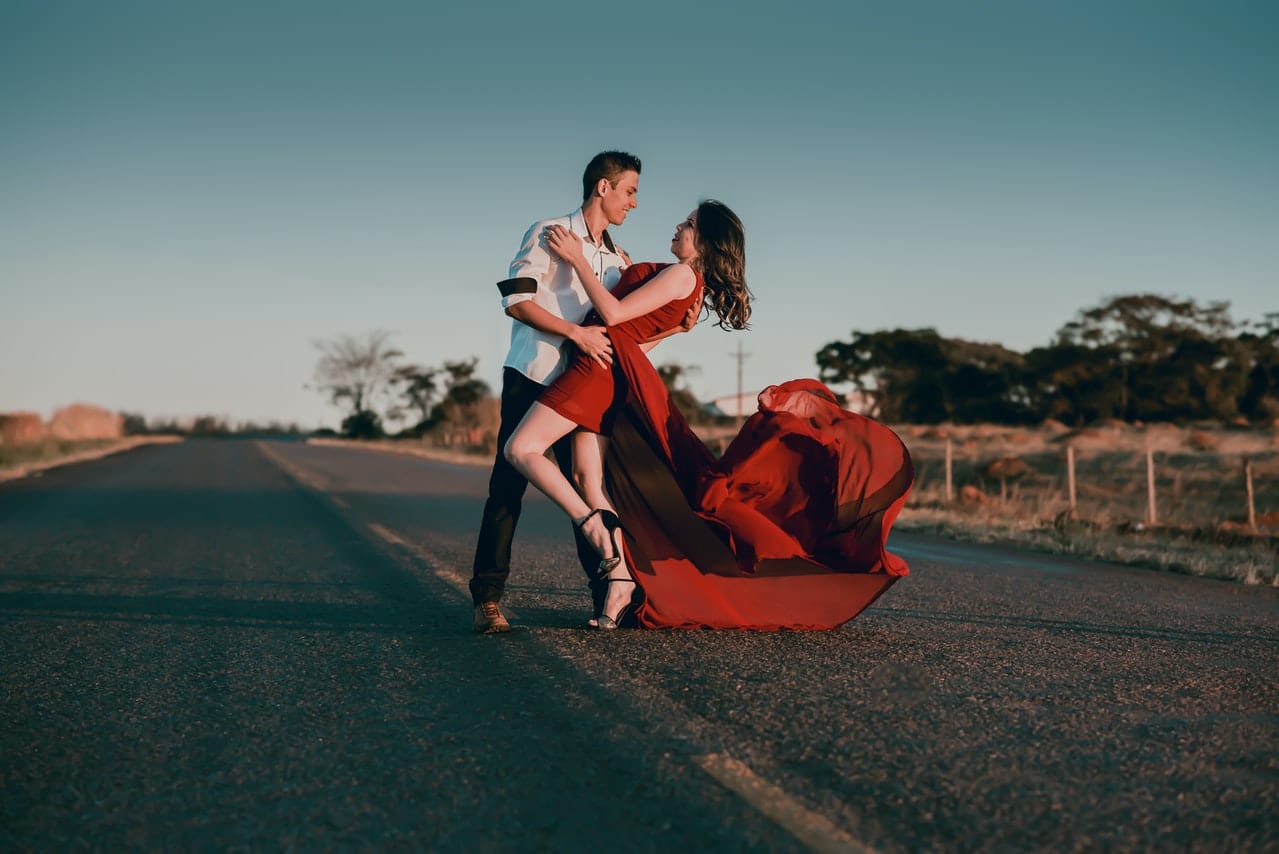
(526, 450)
(589, 450)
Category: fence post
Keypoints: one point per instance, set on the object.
(1070, 477)
(1151, 515)
(1247, 481)
(950, 483)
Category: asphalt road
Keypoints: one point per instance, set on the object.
(267, 646)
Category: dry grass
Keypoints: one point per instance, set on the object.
(46, 449)
(1201, 507)
(1249, 560)
(21, 460)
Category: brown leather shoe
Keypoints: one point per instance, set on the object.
(489, 619)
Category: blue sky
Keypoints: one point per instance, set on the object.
(190, 196)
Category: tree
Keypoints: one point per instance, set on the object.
(673, 376)
(210, 425)
(1140, 356)
(463, 387)
(419, 391)
(1150, 340)
(1138, 323)
(1260, 398)
(358, 373)
(134, 424)
(464, 392)
(986, 382)
(1075, 384)
(898, 369)
(917, 375)
(1203, 378)
(365, 424)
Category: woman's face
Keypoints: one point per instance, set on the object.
(684, 243)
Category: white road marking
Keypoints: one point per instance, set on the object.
(462, 585)
(311, 481)
(387, 534)
(813, 830)
(442, 570)
(303, 477)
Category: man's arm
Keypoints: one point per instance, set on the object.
(531, 265)
(591, 340)
(529, 268)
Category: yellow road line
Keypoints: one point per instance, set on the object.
(815, 831)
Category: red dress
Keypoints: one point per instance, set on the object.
(590, 394)
(788, 529)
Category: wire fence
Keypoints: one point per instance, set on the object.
(1106, 486)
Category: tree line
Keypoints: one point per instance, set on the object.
(205, 426)
(369, 379)
(1141, 357)
(372, 383)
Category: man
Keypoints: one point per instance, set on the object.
(547, 303)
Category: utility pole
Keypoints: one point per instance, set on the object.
(741, 357)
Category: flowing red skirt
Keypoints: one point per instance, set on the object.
(787, 530)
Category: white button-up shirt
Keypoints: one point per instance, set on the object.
(538, 274)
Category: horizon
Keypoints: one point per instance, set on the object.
(193, 196)
(186, 420)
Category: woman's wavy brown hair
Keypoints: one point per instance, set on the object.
(721, 243)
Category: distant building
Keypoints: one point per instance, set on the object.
(734, 405)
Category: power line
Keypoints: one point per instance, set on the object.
(741, 357)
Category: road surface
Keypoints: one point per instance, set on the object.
(267, 645)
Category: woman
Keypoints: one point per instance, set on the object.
(786, 530)
(650, 299)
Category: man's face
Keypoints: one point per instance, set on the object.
(618, 201)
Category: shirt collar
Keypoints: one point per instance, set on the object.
(577, 225)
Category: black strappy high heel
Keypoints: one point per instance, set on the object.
(607, 564)
(612, 524)
(605, 623)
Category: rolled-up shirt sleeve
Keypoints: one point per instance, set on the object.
(528, 268)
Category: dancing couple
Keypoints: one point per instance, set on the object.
(787, 529)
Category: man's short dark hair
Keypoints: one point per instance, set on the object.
(608, 165)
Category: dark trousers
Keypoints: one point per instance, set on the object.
(506, 497)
